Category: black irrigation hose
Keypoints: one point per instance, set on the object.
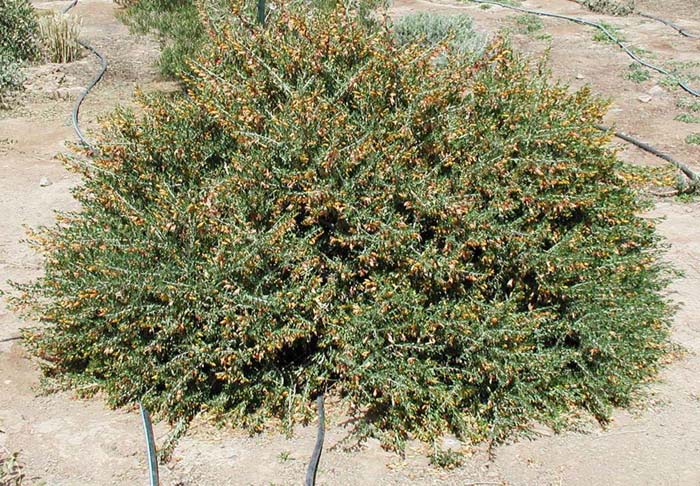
(318, 447)
(145, 417)
(316, 456)
(150, 445)
(680, 30)
(687, 171)
(598, 26)
(11, 338)
(76, 107)
(72, 4)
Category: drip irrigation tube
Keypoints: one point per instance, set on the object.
(687, 171)
(150, 446)
(11, 338)
(76, 107)
(680, 30)
(316, 456)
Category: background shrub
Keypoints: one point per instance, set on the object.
(430, 29)
(446, 246)
(612, 7)
(11, 78)
(18, 31)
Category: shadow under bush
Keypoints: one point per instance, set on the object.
(448, 246)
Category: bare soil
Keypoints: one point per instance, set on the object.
(65, 441)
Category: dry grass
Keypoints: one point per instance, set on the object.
(59, 37)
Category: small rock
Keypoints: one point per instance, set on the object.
(44, 182)
(451, 443)
(645, 98)
(656, 90)
(66, 93)
(580, 76)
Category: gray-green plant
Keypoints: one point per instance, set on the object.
(429, 29)
(689, 105)
(18, 30)
(529, 24)
(11, 78)
(18, 44)
(693, 139)
(637, 73)
(601, 36)
(177, 24)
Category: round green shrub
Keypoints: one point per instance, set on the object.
(18, 34)
(446, 246)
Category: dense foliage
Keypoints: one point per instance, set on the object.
(18, 25)
(182, 27)
(18, 32)
(448, 246)
(612, 7)
(430, 29)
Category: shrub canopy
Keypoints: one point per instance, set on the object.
(448, 246)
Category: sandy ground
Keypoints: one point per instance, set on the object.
(65, 441)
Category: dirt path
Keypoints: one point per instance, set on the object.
(65, 441)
